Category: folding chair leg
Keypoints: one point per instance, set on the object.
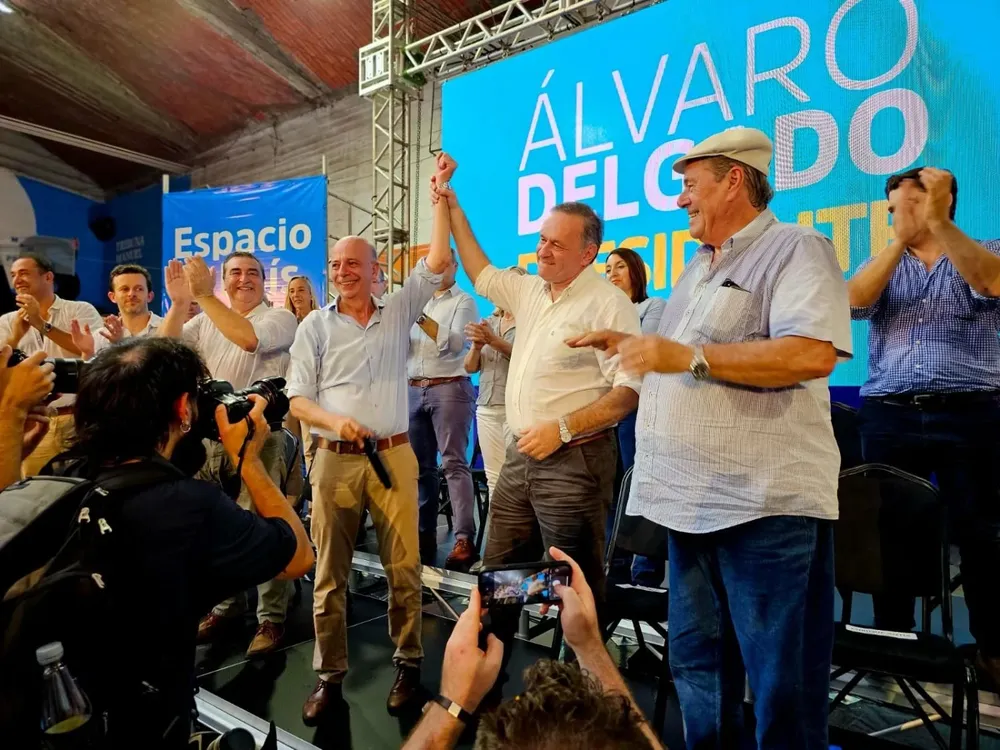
(972, 701)
(922, 715)
(846, 690)
(957, 706)
(557, 639)
(662, 693)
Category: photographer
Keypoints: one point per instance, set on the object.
(180, 545)
(24, 421)
(241, 343)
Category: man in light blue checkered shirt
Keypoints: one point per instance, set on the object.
(735, 453)
(931, 404)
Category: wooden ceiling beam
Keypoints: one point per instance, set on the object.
(246, 30)
(58, 65)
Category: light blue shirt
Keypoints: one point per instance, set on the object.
(360, 371)
(445, 357)
(931, 332)
(650, 311)
(711, 455)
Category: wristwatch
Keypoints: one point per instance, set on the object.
(564, 434)
(46, 328)
(699, 365)
(454, 709)
(421, 320)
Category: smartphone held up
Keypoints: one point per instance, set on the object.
(530, 583)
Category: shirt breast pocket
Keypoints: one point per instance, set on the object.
(560, 357)
(730, 316)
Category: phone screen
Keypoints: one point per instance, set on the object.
(528, 585)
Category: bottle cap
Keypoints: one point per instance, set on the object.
(50, 653)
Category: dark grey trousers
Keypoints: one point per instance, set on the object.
(561, 501)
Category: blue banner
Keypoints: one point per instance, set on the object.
(850, 91)
(283, 223)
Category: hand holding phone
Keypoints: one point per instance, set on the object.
(520, 584)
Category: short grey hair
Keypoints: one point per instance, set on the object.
(593, 226)
(758, 188)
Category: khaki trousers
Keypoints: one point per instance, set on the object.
(272, 597)
(56, 441)
(343, 485)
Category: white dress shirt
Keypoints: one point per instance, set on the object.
(356, 371)
(62, 313)
(444, 357)
(100, 342)
(547, 379)
(275, 331)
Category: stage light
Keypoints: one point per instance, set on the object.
(4, 8)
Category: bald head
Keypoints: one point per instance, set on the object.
(353, 268)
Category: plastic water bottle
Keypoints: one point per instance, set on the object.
(66, 711)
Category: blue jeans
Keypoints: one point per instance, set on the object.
(960, 446)
(753, 601)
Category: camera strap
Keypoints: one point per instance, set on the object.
(251, 429)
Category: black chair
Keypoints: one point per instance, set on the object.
(480, 492)
(892, 537)
(637, 604)
(847, 434)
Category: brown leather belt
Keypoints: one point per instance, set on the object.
(587, 438)
(344, 447)
(429, 382)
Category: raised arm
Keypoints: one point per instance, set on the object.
(439, 254)
(230, 323)
(180, 300)
(978, 266)
(867, 285)
(470, 254)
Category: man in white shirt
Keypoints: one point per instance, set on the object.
(43, 322)
(241, 344)
(129, 287)
(442, 404)
(556, 483)
(347, 380)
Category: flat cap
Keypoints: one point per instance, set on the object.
(746, 145)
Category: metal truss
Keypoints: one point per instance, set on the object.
(506, 29)
(381, 79)
(393, 61)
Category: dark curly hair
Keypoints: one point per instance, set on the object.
(562, 707)
(126, 396)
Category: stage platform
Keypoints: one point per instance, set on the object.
(274, 688)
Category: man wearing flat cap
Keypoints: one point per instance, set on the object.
(735, 452)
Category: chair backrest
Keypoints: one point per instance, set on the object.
(847, 434)
(891, 536)
(634, 534)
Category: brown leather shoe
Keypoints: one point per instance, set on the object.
(323, 697)
(267, 638)
(404, 689)
(463, 554)
(211, 624)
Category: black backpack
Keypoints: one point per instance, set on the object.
(65, 525)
